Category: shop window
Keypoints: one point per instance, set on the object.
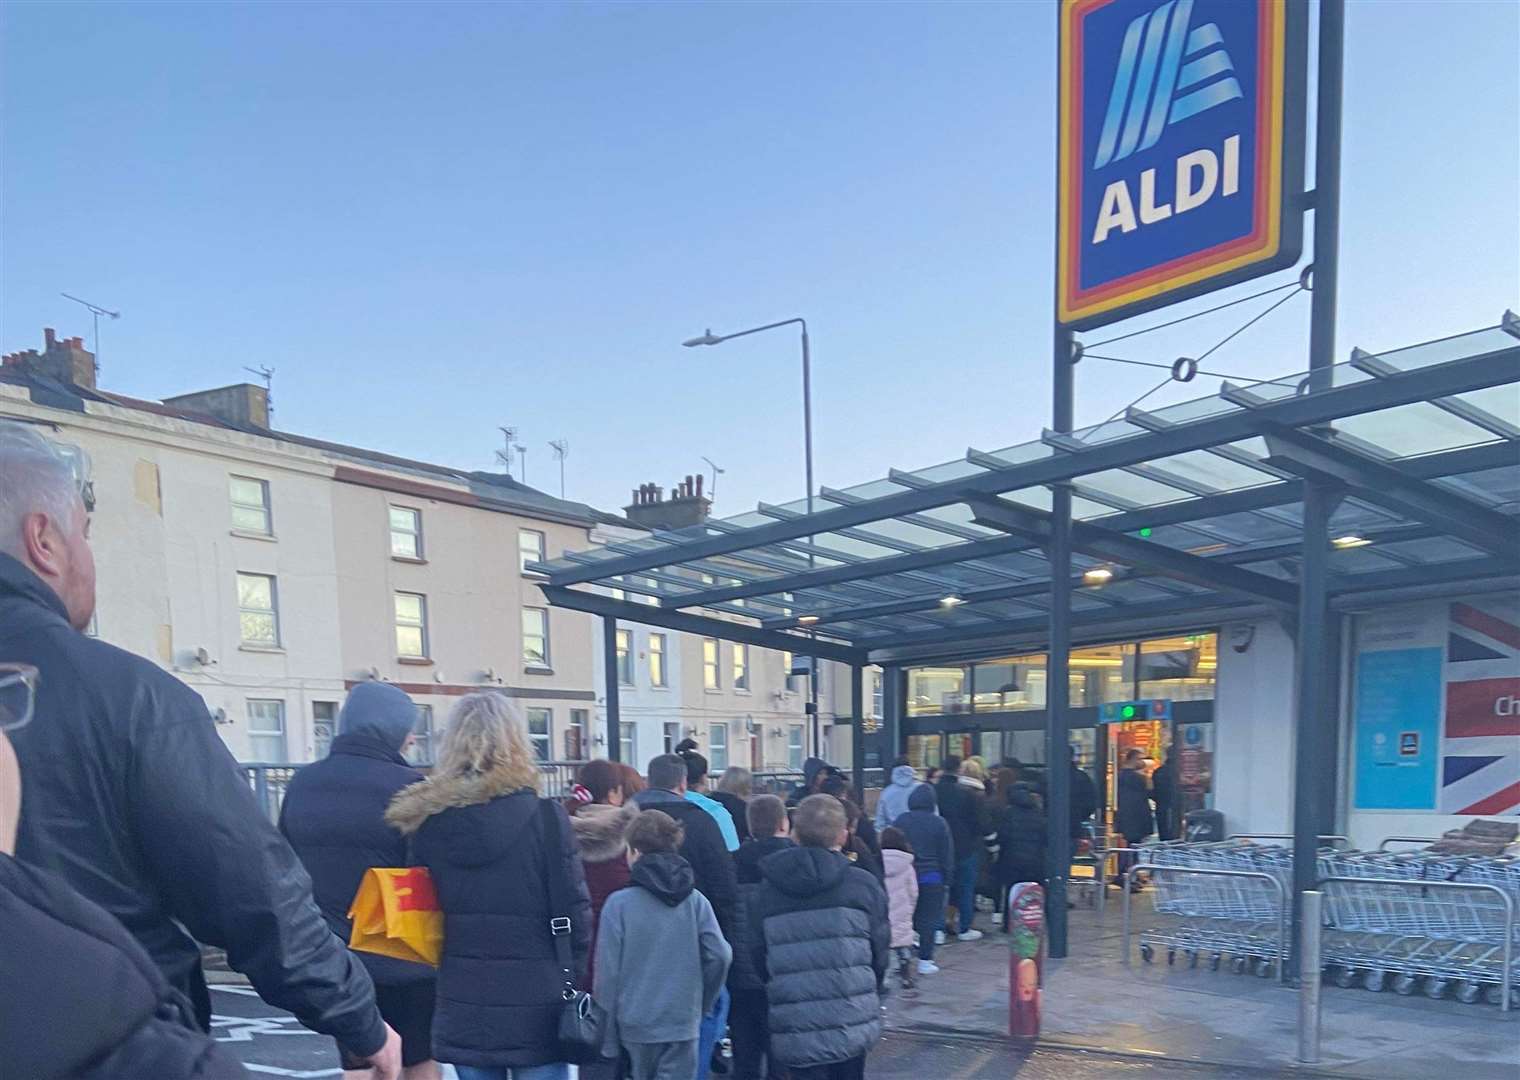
(1180, 668)
(937, 690)
(1102, 673)
(1009, 685)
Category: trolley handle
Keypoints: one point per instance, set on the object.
(1383, 846)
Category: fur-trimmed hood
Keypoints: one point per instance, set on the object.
(414, 805)
(599, 830)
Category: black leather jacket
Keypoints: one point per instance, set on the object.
(134, 800)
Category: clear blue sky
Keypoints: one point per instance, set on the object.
(434, 219)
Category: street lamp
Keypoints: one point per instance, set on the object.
(709, 338)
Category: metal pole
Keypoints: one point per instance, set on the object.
(807, 457)
(614, 713)
(1057, 682)
(1327, 192)
(857, 734)
(1315, 708)
(1309, 969)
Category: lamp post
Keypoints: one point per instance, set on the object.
(709, 338)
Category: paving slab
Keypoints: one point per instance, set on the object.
(1094, 1000)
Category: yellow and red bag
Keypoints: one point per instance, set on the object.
(395, 913)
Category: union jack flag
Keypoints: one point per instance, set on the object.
(1481, 750)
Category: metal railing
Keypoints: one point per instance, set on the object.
(269, 781)
(1423, 841)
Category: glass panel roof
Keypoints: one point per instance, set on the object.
(921, 518)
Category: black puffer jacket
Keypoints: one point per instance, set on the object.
(961, 805)
(741, 973)
(821, 941)
(1020, 837)
(79, 999)
(334, 817)
(483, 843)
(737, 809)
(133, 799)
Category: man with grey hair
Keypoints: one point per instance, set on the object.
(132, 797)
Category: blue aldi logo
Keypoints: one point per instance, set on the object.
(1181, 157)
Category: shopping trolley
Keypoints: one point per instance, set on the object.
(1216, 900)
(1422, 920)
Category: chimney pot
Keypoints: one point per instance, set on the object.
(699, 485)
(47, 336)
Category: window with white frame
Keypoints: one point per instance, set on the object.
(411, 626)
(789, 680)
(876, 694)
(671, 737)
(657, 676)
(266, 730)
(535, 631)
(540, 731)
(625, 657)
(258, 611)
(794, 746)
(530, 548)
(324, 726)
(424, 740)
(575, 735)
(741, 666)
(628, 744)
(717, 747)
(250, 505)
(406, 533)
(712, 676)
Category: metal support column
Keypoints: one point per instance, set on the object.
(1327, 191)
(1316, 732)
(1315, 735)
(857, 732)
(1057, 683)
(614, 713)
(894, 695)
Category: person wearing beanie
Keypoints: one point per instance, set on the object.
(334, 817)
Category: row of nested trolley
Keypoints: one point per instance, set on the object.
(1437, 923)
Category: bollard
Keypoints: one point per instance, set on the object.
(1310, 965)
(1024, 919)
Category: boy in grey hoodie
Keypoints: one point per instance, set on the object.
(660, 957)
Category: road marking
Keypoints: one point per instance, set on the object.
(244, 1028)
(301, 1074)
(245, 991)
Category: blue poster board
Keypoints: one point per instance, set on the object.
(1398, 725)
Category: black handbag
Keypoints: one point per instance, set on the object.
(581, 1025)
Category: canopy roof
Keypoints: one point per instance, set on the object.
(1193, 508)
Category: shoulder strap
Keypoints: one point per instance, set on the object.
(559, 899)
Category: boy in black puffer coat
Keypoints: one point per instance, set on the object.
(822, 942)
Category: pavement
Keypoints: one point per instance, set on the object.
(1093, 1001)
(1101, 1017)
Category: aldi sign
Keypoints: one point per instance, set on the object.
(1181, 150)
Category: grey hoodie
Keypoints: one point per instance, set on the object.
(894, 797)
(660, 957)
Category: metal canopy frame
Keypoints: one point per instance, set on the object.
(957, 552)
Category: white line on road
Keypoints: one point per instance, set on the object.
(300, 1074)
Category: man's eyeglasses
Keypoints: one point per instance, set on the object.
(18, 695)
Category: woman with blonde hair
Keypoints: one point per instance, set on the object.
(735, 787)
(495, 851)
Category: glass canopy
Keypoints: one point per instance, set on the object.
(1196, 506)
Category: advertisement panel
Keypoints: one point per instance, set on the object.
(1437, 707)
(1181, 150)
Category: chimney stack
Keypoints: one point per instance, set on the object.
(686, 506)
(67, 361)
(241, 405)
